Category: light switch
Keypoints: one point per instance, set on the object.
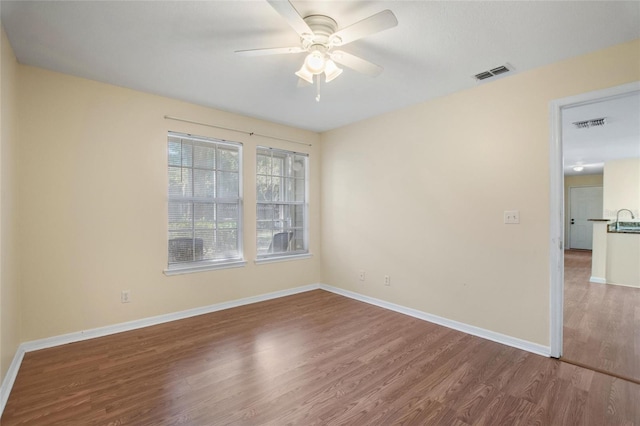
(511, 216)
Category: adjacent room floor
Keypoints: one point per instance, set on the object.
(601, 321)
(315, 358)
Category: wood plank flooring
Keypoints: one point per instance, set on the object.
(315, 358)
(601, 322)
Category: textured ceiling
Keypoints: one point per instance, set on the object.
(185, 50)
(591, 147)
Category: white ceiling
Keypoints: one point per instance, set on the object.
(185, 50)
(593, 146)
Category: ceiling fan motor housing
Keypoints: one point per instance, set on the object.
(323, 28)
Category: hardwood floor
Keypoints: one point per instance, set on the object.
(315, 358)
(601, 322)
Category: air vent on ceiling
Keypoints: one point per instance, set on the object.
(484, 75)
(500, 70)
(492, 72)
(594, 122)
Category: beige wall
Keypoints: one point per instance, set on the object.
(621, 188)
(93, 206)
(599, 253)
(9, 289)
(623, 252)
(615, 256)
(419, 194)
(575, 182)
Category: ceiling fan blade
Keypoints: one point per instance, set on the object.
(375, 23)
(291, 15)
(269, 51)
(356, 63)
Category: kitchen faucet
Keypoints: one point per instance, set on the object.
(618, 216)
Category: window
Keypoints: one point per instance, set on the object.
(205, 203)
(281, 189)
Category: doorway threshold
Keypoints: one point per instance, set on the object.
(599, 370)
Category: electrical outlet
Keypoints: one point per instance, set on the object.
(361, 275)
(387, 280)
(125, 296)
(512, 216)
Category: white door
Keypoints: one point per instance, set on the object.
(584, 204)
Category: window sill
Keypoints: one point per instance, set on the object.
(282, 258)
(188, 269)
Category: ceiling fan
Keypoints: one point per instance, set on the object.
(319, 37)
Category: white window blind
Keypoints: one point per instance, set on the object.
(281, 186)
(205, 203)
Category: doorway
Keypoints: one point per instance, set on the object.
(563, 241)
(585, 204)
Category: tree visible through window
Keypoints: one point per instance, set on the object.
(281, 189)
(205, 218)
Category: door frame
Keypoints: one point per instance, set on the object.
(556, 202)
(569, 230)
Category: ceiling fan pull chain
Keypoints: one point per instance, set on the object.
(318, 85)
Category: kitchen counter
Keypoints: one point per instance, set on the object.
(624, 228)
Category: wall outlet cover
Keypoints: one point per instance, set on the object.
(512, 216)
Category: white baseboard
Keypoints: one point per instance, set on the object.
(597, 280)
(465, 328)
(623, 285)
(49, 342)
(78, 336)
(10, 378)
(34, 345)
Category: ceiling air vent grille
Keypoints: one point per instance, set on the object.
(492, 72)
(484, 75)
(594, 122)
(500, 70)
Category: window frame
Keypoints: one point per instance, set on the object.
(288, 255)
(174, 268)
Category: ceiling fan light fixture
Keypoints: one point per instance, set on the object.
(315, 62)
(331, 71)
(305, 74)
